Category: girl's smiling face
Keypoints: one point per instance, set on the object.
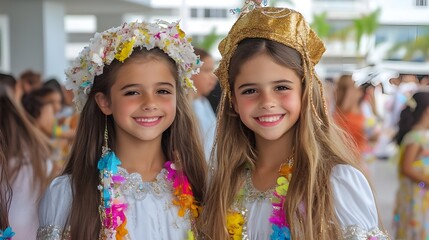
(142, 99)
(267, 97)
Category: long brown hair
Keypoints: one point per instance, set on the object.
(19, 133)
(5, 188)
(318, 149)
(180, 138)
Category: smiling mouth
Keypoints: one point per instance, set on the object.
(147, 120)
(269, 119)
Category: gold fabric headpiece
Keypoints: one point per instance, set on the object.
(282, 25)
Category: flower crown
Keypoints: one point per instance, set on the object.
(118, 43)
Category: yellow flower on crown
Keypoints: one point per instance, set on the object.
(125, 50)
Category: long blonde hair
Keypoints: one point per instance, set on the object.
(319, 146)
(181, 138)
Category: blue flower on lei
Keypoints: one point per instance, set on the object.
(280, 233)
(6, 234)
(109, 162)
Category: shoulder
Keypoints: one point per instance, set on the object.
(420, 137)
(354, 201)
(55, 204)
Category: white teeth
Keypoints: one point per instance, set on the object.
(147, 120)
(269, 119)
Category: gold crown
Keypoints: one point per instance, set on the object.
(282, 25)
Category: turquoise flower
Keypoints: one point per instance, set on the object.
(109, 162)
(280, 233)
(7, 234)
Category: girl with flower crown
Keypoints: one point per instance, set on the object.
(282, 168)
(137, 168)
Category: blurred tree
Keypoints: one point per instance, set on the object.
(366, 25)
(209, 41)
(320, 25)
(416, 49)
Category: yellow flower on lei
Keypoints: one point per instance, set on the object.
(234, 224)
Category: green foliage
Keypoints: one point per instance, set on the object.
(412, 47)
(320, 25)
(209, 40)
(366, 25)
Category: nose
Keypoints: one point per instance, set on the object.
(149, 103)
(267, 101)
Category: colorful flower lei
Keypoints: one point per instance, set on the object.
(236, 220)
(185, 199)
(118, 43)
(113, 204)
(7, 234)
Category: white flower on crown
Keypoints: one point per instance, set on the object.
(119, 42)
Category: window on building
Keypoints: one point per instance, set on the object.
(421, 3)
(215, 13)
(194, 12)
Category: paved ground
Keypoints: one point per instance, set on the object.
(385, 182)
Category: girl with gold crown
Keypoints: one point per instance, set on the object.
(137, 168)
(283, 169)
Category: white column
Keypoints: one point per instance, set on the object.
(37, 37)
(54, 43)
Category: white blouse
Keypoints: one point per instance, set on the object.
(150, 213)
(353, 199)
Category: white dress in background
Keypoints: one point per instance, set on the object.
(23, 217)
(23, 208)
(354, 206)
(150, 214)
(207, 123)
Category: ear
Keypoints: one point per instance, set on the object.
(103, 103)
(234, 104)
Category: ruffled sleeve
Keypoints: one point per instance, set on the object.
(354, 205)
(54, 210)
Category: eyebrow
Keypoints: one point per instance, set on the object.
(141, 85)
(273, 82)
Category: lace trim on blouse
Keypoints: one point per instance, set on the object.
(252, 194)
(52, 232)
(134, 185)
(357, 233)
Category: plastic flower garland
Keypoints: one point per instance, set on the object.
(113, 206)
(118, 43)
(280, 227)
(7, 234)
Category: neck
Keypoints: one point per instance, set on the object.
(146, 158)
(271, 154)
